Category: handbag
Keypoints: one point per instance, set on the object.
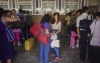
(38, 31)
(18, 25)
(85, 23)
(9, 32)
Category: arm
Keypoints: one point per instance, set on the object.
(47, 31)
(77, 25)
(78, 32)
(10, 19)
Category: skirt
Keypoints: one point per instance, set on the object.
(6, 47)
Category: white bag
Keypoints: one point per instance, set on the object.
(55, 43)
(53, 37)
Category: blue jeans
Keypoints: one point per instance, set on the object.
(55, 50)
(44, 52)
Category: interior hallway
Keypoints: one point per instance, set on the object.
(68, 55)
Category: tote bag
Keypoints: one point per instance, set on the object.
(9, 32)
(38, 31)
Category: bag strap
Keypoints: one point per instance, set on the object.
(41, 30)
(6, 24)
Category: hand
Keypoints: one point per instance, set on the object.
(79, 36)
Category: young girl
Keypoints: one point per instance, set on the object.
(56, 28)
(16, 31)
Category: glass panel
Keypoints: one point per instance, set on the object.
(25, 6)
(4, 6)
(48, 7)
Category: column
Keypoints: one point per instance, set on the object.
(85, 2)
(60, 6)
(80, 4)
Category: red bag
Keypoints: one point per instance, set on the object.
(38, 31)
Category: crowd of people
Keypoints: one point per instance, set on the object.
(7, 18)
(86, 39)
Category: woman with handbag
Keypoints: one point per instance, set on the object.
(95, 41)
(6, 46)
(56, 28)
(45, 48)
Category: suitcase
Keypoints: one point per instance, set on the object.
(29, 44)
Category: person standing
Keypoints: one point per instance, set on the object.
(82, 33)
(17, 32)
(95, 41)
(45, 48)
(6, 47)
(56, 28)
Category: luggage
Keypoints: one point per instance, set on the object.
(38, 31)
(29, 44)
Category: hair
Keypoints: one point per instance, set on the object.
(79, 11)
(14, 9)
(84, 9)
(1, 11)
(98, 14)
(20, 10)
(46, 18)
(53, 19)
(6, 11)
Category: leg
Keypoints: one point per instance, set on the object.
(9, 61)
(73, 42)
(0, 61)
(41, 52)
(18, 37)
(95, 54)
(53, 51)
(82, 45)
(57, 52)
(70, 41)
(14, 39)
(46, 52)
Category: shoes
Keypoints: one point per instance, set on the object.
(77, 45)
(72, 47)
(56, 59)
(52, 55)
(19, 44)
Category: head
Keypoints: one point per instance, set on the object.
(79, 12)
(20, 10)
(13, 11)
(1, 12)
(46, 18)
(85, 9)
(7, 13)
(98, 15)
(55, 18)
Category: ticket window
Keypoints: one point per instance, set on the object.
(48, 6)
(4, 5)
(25, 6)
(71, 6)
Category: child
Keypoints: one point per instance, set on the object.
(72, 39)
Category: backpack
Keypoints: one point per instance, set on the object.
(38, 30)
(85, 23)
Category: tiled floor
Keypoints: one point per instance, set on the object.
(68, 55)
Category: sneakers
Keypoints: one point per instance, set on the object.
(52, 55)
(56, 59)
(77, 45)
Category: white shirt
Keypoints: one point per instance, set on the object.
(81, 17)
(56, 26)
